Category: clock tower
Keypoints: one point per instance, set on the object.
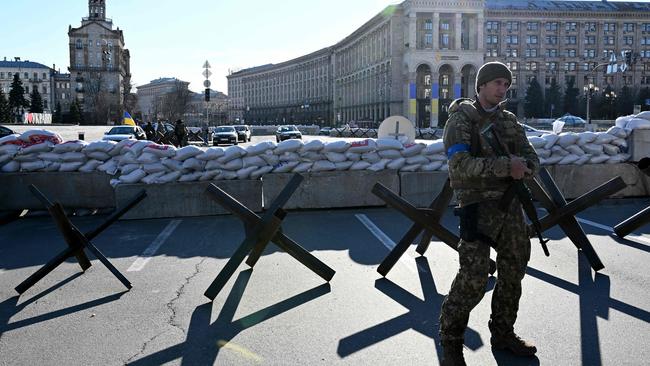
(96, 9)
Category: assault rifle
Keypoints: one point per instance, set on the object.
(518, 188)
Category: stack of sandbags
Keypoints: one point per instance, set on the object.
(24, 152)
(582, 148)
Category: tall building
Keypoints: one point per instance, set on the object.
(414, 58)
(99, 65)
(33, 76)
(150, 96)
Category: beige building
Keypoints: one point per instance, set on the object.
(150, 96)
(414, 58)
(99, 65)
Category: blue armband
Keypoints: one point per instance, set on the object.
(457, 148)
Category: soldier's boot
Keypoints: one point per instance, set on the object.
(452, 353)
(513, 343)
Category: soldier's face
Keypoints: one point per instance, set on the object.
(494, 92)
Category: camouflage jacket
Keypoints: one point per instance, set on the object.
(476, 172)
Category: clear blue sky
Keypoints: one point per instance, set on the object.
(170, 38)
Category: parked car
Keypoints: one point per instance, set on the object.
(532, 131)
(119, 133)
(286, 132)
(243, 132)
(224, 134)
(325, 131)
(5, 131)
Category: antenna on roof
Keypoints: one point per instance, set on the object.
(17, 58)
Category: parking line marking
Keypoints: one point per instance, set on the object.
(153, 247)
(383, 238)
(633, 237)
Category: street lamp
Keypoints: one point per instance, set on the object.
(589, 91)
(611, 97)
(304, 107)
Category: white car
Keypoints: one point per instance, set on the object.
(119, 133)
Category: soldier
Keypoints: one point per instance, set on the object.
(479, 179)
(181, 133)
(148, 129)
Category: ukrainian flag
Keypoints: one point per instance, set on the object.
(128, 120)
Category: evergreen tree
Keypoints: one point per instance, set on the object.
(17, 101)
(57, 118)
(625, 105)
(604, 104)
(571, 104)
(553, 100)
(75, 113)
(36, 102)
(5, 111)
(643, 95)
(534, 101)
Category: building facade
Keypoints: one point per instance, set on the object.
(414, 58)
(150, 96)
(99, 65)
(33, 76)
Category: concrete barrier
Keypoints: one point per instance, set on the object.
(639, 144)
(182, 199)
(331, 189)
(421, 188)
(71, 189)
(575, 180)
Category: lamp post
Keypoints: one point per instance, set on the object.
(611, 97)
(304, 108)
(589, 91)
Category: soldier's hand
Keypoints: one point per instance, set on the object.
(518, 167)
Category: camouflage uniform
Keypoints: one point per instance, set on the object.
(478, 175)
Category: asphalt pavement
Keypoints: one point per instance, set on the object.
(281, 313)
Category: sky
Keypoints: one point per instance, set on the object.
(170, 38)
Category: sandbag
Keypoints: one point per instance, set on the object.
(396, 164)
(256, 174)
(313, 145)
(244, 173)
(360, 165)
(436, 147)
(211, 153)
(323, 165)
(410, 168)
(232, 152)
(352, 156)
(22, 158)
(575, 149)
(567, 139)
(289, 145)
(599, 159)
(148, 158)
(336, 146)
(109, 167)
(618, 132)
(260, 148)
(586, 137)
(335, 157)
(98, 155)
(90, 166)
(70, 166)
(162, 151)
(371, 157)
(50, 156)
(254, 160)
(302, 167)
(638, 124)
(73, 156)
(593, 149)
(389, 154)
(610, 150)
(558, 150)
(103, 146)
(289, 156)
(11, 167)
(536, 141)
(172, 164)
(128, 168)
(169, 177)
(234, 164)
(152, 178)
(432, 166)
(343, 165)
(154, 167)
(418, 159)
(187, 152)
(551, 139)
(193, 164)
(412, 149)
(285, 166)
(363, 146)
(32, 166)
(569, 159)
(190, 177)
(36, 148)
(40, 136)
(380, 165)
(388, 144)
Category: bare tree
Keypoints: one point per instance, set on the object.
(173, 105)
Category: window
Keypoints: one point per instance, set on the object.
(645, 80)
(532, 26)
(551, 52)
(627, 79)
(608, 53)
(569, 66)
(428, 25)
(551, 26)
(571, 52)
(2, 75)
(531, 39)
(491, 52)
(531, 52)
(79, 44)
(571, 26)
(608, 40)
(492, 39)
(570, 40)
(548, 80)
(44, 76)
(551, 66)
(530, 78)
(645, 41)
(514, 65)
(445, 40)
(628, 27)
(444, 25)
(492, 26)
(585, 66)
(512, 39)
(590, 39)
(44, 89)
(514, 79)
(511, 52)
(90, 43)
(628, 40)
(590, 27)
(45, 104)
(512, 26)
(551, 39)
(428, 39)
(610, 27)
(645, 27)
(531, 65)
(26, 76)
(589, 53)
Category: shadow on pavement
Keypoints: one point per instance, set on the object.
(205, 340)
(422, 316)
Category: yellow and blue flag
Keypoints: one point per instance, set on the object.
(128, 120)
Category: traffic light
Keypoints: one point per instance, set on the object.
(207, 94)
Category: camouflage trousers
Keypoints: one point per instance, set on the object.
(509, 231)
